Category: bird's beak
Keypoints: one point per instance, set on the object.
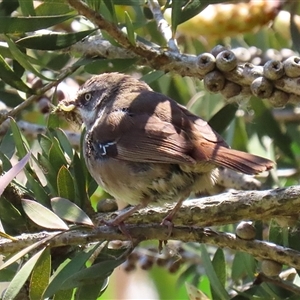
(66, 106)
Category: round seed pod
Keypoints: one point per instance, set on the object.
(242, 54)
(107, 205)
(270, 267)
(261, 87)
(292, 66)
(245, 231)
(174, 266)
(279, 98)
(217, 49)
(128, 266)
(231, 89)
(273, 69)
(226, 61)
(44, 105)
(206, 62)
(214, 81)
(146, 262)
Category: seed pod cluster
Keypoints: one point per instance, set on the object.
(147, 258)
(223, 72)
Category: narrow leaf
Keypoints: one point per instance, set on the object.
(65, 183)
(40, 276)
(211, 274)
(27, 7)
(23, 59)
(176, 14)
(13, 172)
(53, 41)
(21, 276)
(221, 120)
(67, 270)
(43, 216)
(24, 251)
(130, 29)
(219, 265)
(96, 273)
(69, 211)
(20, 24)
(11, 78)
(109, 65)
(18, 137)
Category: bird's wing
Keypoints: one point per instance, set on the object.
(142, 138)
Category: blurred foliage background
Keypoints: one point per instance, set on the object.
(47, 50)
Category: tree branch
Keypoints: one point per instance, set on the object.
(259, 249)
(223, 209)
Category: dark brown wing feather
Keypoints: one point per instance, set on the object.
(153, 128)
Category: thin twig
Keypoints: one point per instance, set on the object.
(15, 111)
(163, 25)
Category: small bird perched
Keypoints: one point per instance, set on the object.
(144, 148)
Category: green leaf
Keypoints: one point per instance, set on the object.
(265, 124)
(91, 290)
(152, 76)
(40, 276)
(53, 7)
(7, 148)
(13, 172)
(79, 173)
(17, 25)
(109, 65)
(195, 7)
(10, 214)
(23, 59)
(49, 172)
(9, 98)
(96, 273)
(294, 29)
(67, 269)
(45, 144)
(110, 6)
(53, 41)
(19, 138)
(10, 77)
(64, 295)
(42, 216)
(27, 7)
(215, 283)
(23, 252)
(221, 120)
(21, 276)
(176, 14)
(65, 184)
(56, 155)
(219, 266)
(64, 142)
(69, 211)
(129, 29)
(39, 191)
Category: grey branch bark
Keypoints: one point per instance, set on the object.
(218, 210)
(224, 209)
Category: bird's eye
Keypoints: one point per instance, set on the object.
(87, 97)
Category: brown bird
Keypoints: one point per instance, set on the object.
(144, 148)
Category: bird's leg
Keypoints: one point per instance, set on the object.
(168, 220)
(119, 220)
(123, 216)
